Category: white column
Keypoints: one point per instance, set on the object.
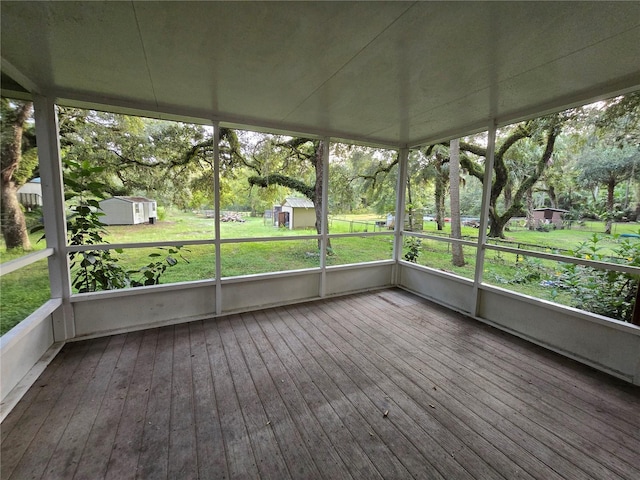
(324, 228)
(53, 208)
(400, 204)
(484, 216)
(216, 208)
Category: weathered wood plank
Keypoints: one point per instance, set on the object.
(325, 456)
(290, 443)
(519, 369)
(125, 454)
(182, 434)
(546, 442)
(14, 417)
(549, 397)
(263, 442)
(613, 397)
(212, 462)
(153, 461)
(301, 391)
(67, 454)
(241, 462)
(345, 398)
(343, 439)
(547, 410)
(100, 442)
(446, 430)
(79, 362)
(401, 431)
(447, 398)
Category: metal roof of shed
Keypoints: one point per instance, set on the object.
(387, 73)
(298, 202)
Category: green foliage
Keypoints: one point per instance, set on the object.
(529, 270)
(604, 164)
(99, 269)
(151, 273)
(605, 292)
(413, 245)
(162, 213)
(546, 227)
(95, 270)
(139, 155)
(27, 167)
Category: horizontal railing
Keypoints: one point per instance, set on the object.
(25, 261)
(618, 267)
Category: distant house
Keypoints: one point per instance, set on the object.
(30, 194)
(297, 212)
(128, 210)
(547, 216)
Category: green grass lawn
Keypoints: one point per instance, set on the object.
(22, 292)
(25, 290)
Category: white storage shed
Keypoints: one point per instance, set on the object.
(121, 210)
(30, 194)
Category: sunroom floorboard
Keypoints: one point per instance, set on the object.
(373, 385)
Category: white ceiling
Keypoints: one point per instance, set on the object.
(393, 73)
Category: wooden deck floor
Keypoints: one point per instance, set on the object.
(376, 385)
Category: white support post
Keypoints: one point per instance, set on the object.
(484, 216)
(216, 208)
(400, 204)
(324, 228)
(53, 208)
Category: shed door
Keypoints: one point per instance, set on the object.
(283, 219)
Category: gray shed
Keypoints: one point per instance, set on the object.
(121, 210)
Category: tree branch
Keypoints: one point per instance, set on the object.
(554, 131)
(285, 181)
(471, 148)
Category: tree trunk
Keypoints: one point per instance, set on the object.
(317, 200)
(409, 204)
(496, 224)
(439, 196)
(501, 173)
(14, 228)
(508, 195)
(611, 186)
(312, 192)
(457, 256)
(531, 223)
(496, 230)
(552, 196)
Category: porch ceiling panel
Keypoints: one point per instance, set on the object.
(386, 72)
(81, 47)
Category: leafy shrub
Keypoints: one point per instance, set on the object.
(413, 245)
(99, 269)
(162, 213)
(546, 227)
(604, 292)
